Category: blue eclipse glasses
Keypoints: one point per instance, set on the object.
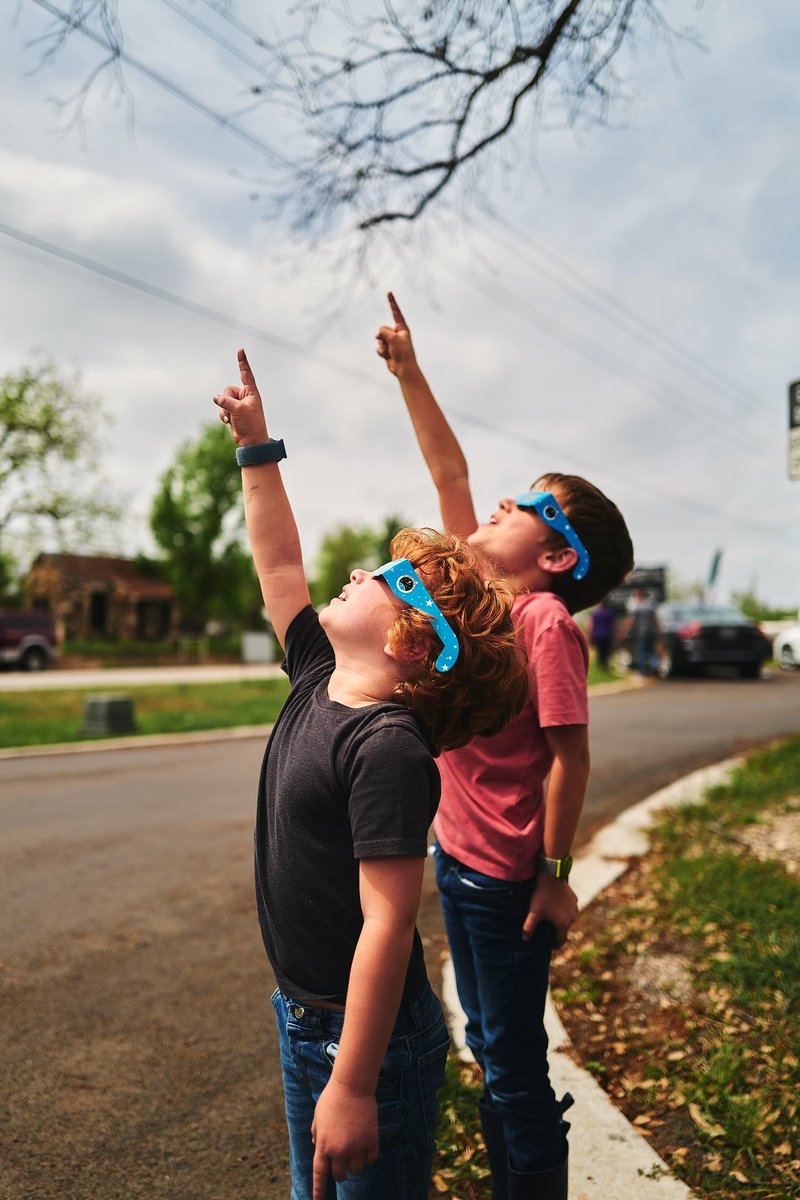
(547, 507)
(408, 587)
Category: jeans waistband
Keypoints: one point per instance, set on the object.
(514, 887)
(412, 1015)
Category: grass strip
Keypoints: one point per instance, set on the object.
(47, 717)
(460, 1166)
(40, 718)
(681, 986)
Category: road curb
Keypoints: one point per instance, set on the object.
(609, 1157)
(149, 741)
(144, 742)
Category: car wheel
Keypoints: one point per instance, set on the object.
(34, 659)
(666, 665)
(623, 661)
(750, 670)
(787, 659)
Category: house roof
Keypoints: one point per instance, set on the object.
(122, 573)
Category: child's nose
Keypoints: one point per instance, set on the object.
(358, 575)
(506, 503)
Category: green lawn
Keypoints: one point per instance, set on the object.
(40, 718)
(47, 717)
(709, 1071)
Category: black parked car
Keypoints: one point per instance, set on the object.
(695, 636)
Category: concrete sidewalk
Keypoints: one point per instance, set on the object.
(609, 1158)
(116, 677)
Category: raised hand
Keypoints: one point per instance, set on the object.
(240, 407)
(394, 342)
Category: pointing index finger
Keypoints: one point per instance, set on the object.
(245, 374)
(319, 1172)
(399, 319)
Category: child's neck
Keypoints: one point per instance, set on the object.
(534, 580)
(356, 685)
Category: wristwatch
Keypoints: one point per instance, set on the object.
(559, 868)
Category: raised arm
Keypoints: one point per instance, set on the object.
(438, 443)
(271, 528)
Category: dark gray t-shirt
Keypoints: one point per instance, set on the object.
(337, 785)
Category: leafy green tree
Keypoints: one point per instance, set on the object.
(197, 520)
(48, 452)
(10, 596)
(758, 610)
(346, 547)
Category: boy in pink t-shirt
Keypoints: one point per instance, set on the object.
(503, 853)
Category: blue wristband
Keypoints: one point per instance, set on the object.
(262, 452)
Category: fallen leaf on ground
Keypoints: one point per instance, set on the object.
(702, 1122)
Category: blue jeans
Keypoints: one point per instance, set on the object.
(502, 985)
(411, 1075)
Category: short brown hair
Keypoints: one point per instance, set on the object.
(488, 684)
(602, 529)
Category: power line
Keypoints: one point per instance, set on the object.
(593, 296)
(600, 355)
(686, 359)
(226, 15)
(650, 489)
(223, 42)
(163, 82)
(709, 375)
(291, 347)
(182, 302)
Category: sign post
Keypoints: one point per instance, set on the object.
(794, 430)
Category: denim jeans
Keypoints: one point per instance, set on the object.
(411, 1075)
(502, 985)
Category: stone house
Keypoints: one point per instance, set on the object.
(95, 596)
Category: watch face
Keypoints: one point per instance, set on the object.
(559, 868)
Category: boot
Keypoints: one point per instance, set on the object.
(539, 1185)
(495, 1139)
(543, 1185)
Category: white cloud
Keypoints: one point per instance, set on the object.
(687, 215)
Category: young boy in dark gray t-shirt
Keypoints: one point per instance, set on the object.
(413, 658)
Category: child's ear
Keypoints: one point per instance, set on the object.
(407, 657)
(558, 560)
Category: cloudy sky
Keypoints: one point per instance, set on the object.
(630, 310)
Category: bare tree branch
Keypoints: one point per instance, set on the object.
(418, 97)
(390, 112)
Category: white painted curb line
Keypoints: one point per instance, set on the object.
(609, 1159)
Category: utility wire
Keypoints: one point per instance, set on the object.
(178, 301)
(709, 375)
(564, 273)
(237, 24)
(163, 82)
(291, 347)
(601, 356)
(649, 489)
(230, 47)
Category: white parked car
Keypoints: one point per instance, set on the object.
(786, 648)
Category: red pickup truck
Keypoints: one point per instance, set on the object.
(27, 639)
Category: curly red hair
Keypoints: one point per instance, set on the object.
(488, 684)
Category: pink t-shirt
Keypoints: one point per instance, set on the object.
(491, 814)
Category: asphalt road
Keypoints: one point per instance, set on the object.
(136, 1034)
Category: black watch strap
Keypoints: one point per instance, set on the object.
(262, 452)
